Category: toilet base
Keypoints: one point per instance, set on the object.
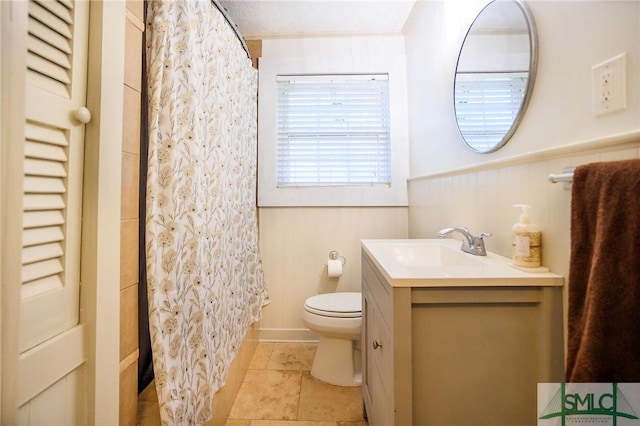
(336, 362)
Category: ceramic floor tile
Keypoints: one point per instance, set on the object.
(268, 394)
(322, 401)
(292, 356)
(261, 356)
(279, 391)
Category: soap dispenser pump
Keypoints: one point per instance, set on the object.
(525, 240)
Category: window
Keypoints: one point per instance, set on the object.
(487, 105)
(333, 130)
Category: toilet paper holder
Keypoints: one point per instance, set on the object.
(334, 255)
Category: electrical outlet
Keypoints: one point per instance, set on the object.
(608, 80)
(605, 86)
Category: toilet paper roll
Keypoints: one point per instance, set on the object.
(334, 267)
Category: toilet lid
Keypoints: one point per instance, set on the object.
(343, 305)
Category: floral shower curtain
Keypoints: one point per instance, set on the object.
(205, 283)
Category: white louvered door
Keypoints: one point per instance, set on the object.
(54, 148)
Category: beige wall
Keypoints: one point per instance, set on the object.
(129, 246)
(572, 36)
(295, 245)
(482, 199)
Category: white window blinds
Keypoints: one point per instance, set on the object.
(487, 105)
(333, 130)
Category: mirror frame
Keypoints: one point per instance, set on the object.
(533, 65)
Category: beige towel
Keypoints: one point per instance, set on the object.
(604, 275)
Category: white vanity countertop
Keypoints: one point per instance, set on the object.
(441, 263)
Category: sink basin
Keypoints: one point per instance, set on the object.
(426, 253)
(441, 262)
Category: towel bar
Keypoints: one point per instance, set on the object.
(565, 177)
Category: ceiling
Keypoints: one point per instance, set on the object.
(258, 19)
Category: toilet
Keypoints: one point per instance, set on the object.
(336, 318)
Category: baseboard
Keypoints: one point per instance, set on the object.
(287, 335)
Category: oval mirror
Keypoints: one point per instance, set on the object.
(495, 74)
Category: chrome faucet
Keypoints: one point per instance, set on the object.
(470, 244)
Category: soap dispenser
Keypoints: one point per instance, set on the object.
(525, 240)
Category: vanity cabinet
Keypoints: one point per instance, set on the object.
(457, 355)
(386, 384)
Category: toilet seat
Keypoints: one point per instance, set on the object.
(338, 305)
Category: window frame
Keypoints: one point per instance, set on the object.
(270, 195)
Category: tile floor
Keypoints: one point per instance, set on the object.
(278, 390)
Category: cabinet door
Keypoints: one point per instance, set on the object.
(57, 40)
(366, 353)
(377, 354)
(380, 369)
(480, 349)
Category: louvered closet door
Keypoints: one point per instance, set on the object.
(54, 148)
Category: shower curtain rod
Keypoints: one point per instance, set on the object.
(233, 26)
